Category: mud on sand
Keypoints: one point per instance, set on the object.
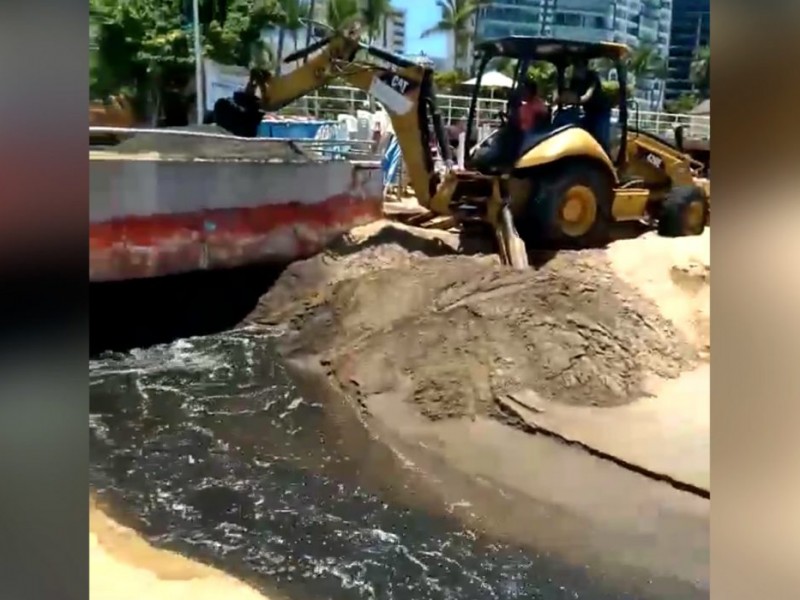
(392, 311)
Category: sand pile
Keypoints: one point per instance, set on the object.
(123, 566)
(188, 146)
(675, 275)
(451, 333)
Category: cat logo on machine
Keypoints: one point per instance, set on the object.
(399, 84)
(655, 160)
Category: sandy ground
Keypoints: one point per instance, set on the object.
(667, 433)
(668, 430)
(554, 496)
(388, 307)
(608, 348)
(676, 275)
(124, 566)
(465, 331)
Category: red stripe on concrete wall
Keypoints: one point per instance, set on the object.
(141, 247)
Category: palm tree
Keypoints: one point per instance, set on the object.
(700, 71)
(375, 14)
(645, 62)
(456, 21)
(340, 14)
(312, 12)
(292, 13)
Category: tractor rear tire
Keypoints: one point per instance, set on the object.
(570, 206)
(685, 212)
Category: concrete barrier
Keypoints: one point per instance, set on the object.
(153, 216)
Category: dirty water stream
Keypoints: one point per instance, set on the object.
(207, 446)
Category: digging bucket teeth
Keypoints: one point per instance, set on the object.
(512, 248)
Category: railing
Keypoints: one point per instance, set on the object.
(333, 100)
(696, 127)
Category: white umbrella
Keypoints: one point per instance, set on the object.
(492, 80)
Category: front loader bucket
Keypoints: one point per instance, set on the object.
(512, 248)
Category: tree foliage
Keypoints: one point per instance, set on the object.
(448, 81)
(341, 14)
(144, 48)
(682, 104)
(374, 14)
(546, 77)
(456, 20)
(700, 71)
(646, 62)
(291, 19)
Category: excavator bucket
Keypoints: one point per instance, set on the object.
(512, 248)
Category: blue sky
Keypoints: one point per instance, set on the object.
(421, 15)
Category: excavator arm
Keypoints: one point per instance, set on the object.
(404, 88)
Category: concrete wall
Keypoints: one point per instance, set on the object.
(152, 216)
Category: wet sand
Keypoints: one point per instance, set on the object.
(122, 566)
(538, 492)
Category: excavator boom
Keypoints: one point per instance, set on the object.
(404, 88)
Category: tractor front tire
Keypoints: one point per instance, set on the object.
(571, 205)
(685, 212)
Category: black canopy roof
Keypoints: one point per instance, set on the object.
(551, 49)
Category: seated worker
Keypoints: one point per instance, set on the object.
(585, 88)
(527, 115)
(533, 112)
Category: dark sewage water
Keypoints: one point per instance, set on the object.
(207, 447)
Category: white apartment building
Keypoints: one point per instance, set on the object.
(397, 31)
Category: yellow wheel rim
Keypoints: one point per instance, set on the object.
(578, 211)
(695, 216)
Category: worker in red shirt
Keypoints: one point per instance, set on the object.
(533, 112)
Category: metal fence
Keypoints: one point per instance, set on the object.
(329, 102)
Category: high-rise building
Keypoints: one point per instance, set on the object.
(627, 21)
(631, 22)
(393, 33)
(691, 29)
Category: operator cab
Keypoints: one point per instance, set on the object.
(572, 92)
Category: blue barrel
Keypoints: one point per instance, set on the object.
(264, 129)
(291, 129)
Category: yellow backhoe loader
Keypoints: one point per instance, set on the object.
(559, 185)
